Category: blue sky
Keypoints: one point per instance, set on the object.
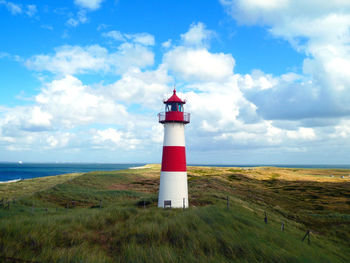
(266, 81)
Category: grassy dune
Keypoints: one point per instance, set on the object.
(59, 219)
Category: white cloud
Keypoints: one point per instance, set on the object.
(167, 44)
(197, 35)
(59, 140)
(39, 118)
(81, 18)
(92, 59)
(63, 104)
(14, 9)
(31, 10)
(145, 88)
(71, 103)
(113, 139)
(116, 35)
(108, 135)
(199, 64)
(142, 38)
(319, 29)
(256, 113)
(139, 38)
(89, 4)
(302, 133)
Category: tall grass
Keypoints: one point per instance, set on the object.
(39, 227)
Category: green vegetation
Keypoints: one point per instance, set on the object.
(112, 217)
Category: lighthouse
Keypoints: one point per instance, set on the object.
(173, 177)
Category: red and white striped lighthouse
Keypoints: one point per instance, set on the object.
(173, 177)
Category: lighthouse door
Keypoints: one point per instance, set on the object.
(167, 203)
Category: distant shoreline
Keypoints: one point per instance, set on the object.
(14, 172)
(10, 181)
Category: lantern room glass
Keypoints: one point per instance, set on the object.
(174, 107)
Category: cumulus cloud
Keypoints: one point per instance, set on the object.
(229, 111)
(92, 59)
(144, 88)
(320, 30)
(199, 64)
(114, 139)
(63, 104)
(192, 60)
(73, 104)
(197, 36)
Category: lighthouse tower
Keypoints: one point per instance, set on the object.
(173, 177)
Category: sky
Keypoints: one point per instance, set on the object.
(266, 82)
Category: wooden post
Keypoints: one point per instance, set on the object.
(308, 237)
(183, 204)
(228, 204)
(144, 204)
(282, 226)
(265, 219)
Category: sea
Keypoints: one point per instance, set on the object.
(20, 171)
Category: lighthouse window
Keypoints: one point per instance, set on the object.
(174, 107)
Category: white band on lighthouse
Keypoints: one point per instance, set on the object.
(174, 134)
(173, 187)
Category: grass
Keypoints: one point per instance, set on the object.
(38, 227)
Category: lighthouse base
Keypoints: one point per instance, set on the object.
(173, 188)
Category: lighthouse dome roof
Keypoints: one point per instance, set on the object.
(175, 98)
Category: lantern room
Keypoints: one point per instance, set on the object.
(174, 110)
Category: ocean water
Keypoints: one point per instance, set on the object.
(15, 171)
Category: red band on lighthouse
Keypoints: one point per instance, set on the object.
(174, 159)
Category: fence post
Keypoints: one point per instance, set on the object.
(308, 237)
(100, 204)
(265, 219)
(144, 204)
(282, 226)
